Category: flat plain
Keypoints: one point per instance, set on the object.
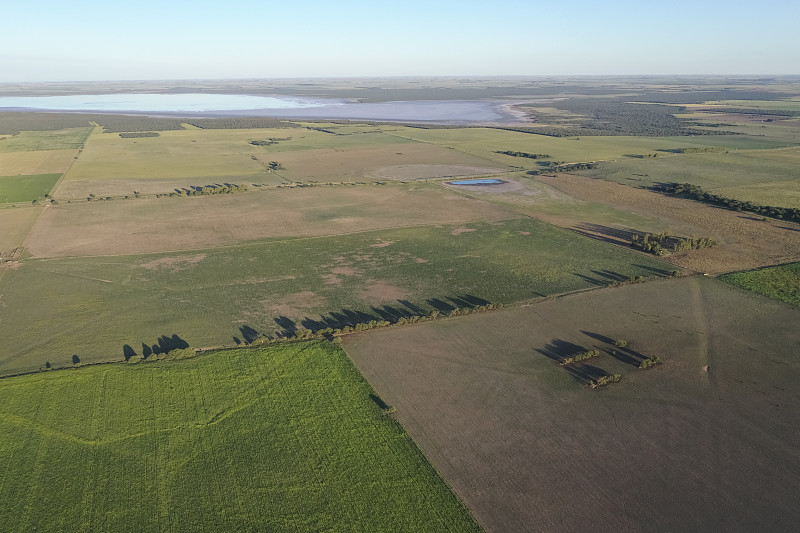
(704, 441)
(137, 245)
(226, 442)
(92, 306)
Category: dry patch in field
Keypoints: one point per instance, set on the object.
(167, 224)
(36, 162)
(744, 240)
(462, 229)
(295, 304)
(173, 264)
(486, 399)
(380, 291)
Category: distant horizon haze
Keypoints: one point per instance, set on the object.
(51, 41)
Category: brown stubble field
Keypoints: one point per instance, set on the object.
(705, 441)
(745, 241)
(187, 223)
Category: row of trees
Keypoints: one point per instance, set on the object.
(512, 153)
(330, 332)
(697, 193)
(557, 166)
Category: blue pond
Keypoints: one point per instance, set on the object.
(490, 181)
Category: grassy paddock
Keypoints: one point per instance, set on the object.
(780, 282)
(92, 306)
(26, 188)
(279, 439)
(36, 162)
(66, 139)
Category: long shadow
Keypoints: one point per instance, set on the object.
(611, 275)
(654, 270)
(378, 401)
(624, 355)
(440, 305)
(590, 279)
(607, 233)
(584, 373)
(248, 334)
(559, 349)
(128, 351)
(287, 325)
(146, 351)
(76, 359)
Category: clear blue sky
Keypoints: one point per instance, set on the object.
(55, 40)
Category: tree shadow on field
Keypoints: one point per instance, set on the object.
(378, 401)
(624, 355)
(249, 334)
(559, 349)
(654, 270)
(128, 351)
(164, 345)
(585, 374)
(622, 236)
(76, 359)
(593, 281)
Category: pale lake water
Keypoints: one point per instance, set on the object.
(227, 105)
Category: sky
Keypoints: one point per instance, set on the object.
(56, 40)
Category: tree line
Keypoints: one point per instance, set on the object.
(696, 192)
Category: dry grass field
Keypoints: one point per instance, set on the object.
(706, 441)
(186, 223)
(36, 162)
(744, 241)
(111, 165)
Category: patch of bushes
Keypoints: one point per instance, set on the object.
(563, 167)
(650, 362)
(605, 380)
(522, 154)
(225, 188)
(583, 356)
(270, 141)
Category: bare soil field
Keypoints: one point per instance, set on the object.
(36, 162)
(186, 223)
(744, 241)
(705, 441)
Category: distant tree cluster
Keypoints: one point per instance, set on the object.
(244, 123)
(697, 193)
(138, 134)
(270, 141)
(522, 154)
(563, 167)
(130, 124)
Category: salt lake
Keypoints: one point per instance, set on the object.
(232, 105)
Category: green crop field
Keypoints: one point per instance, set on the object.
(66, 139)
(91, 306)
(279, 439)
(780, 282)
(26, 188)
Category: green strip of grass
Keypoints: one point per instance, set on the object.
(780, 282)
(286, 438)
(26, 188)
